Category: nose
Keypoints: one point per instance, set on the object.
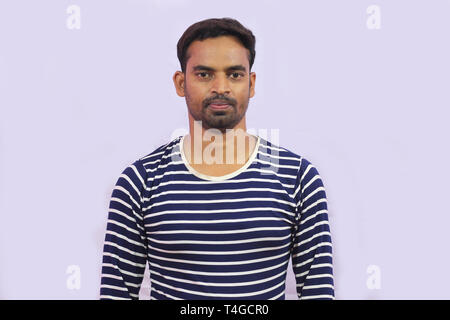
(221, 85)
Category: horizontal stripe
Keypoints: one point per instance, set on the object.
(217, 263)
(220, 242)
(214, 221)
(152, 215)
(213, 191)
(220, 252)
(220, 284)
(217, 201)
(207, 182)
(216, 274)
(124, 272)
(217, 232)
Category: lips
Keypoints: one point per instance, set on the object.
(219, 105)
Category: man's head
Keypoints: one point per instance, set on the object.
(216, 57)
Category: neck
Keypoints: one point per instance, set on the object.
(231, 147)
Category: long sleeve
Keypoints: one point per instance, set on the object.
(125, 246)
(312, 259)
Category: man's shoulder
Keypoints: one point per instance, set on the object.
(161, 153)
(277, 151)
(137, 172)
(285, 156)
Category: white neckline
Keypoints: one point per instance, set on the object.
(218, 178)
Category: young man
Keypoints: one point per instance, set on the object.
(218, 219)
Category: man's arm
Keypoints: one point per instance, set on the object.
(125, 246)
(312, 259)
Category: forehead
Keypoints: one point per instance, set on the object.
(217, 52)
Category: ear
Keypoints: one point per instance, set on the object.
(252, 84)
(178, 81)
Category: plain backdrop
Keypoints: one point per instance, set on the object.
(359, 88)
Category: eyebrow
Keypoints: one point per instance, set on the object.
(238, 67)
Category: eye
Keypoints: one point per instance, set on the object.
(202, 73)
(238, 75)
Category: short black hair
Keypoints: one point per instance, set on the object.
(212, 28)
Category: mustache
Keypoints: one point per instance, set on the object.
(223, 99)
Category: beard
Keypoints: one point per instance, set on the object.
(219, 119)
(222, 120)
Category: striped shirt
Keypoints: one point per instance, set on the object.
(227, 237)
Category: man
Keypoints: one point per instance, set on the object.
(218, 219)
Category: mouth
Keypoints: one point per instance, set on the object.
(219, 105)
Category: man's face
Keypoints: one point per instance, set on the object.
(217, 74)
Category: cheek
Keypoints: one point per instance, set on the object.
(197, 93)
(243, 94)
(194, 99)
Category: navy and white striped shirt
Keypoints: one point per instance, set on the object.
(228, 237)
